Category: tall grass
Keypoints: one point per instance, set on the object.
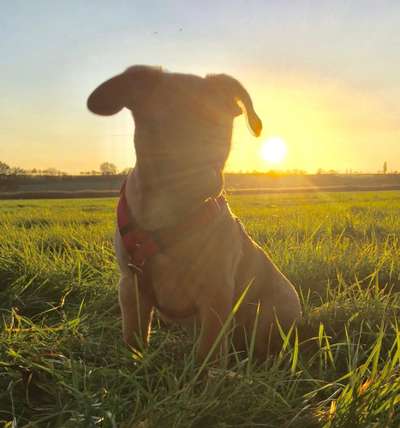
(62, 362)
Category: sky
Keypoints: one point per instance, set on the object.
(324, 77)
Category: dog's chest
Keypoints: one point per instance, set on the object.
(195, 269)
(176, 286)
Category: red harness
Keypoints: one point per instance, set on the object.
(142, 244)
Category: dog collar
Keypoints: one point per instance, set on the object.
(142, 244)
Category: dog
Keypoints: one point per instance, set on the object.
(200, 266)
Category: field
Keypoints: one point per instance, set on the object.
(62, 362)
(92, 186)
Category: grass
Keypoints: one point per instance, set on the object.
(62, 362)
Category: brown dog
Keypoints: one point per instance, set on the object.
(183, 128)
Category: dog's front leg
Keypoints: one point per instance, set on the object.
(136, 309)
(214, 318)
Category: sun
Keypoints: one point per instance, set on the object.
(273, 150)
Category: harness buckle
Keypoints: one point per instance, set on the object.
(135, 268)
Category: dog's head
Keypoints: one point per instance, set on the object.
(183, 125)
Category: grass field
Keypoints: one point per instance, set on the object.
(62, 362)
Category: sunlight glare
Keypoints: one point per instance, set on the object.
(274, 150)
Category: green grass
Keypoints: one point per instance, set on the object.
(63, 364)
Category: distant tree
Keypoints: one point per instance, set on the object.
(4, 168)
(50, 171)
(295, 171)
(92, 172)
(385, 167)
(126, 171)
(108, 168)
(17, 171)
(53, 172)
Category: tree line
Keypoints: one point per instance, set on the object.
(108, 168)
(105, 168)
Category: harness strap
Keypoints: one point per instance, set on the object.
(203, 216)
(141, 244)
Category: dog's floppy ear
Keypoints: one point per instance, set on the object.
(237, 93)
(122, 90)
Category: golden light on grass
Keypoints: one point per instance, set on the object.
(273, 150)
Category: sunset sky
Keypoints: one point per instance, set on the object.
(324, 77)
